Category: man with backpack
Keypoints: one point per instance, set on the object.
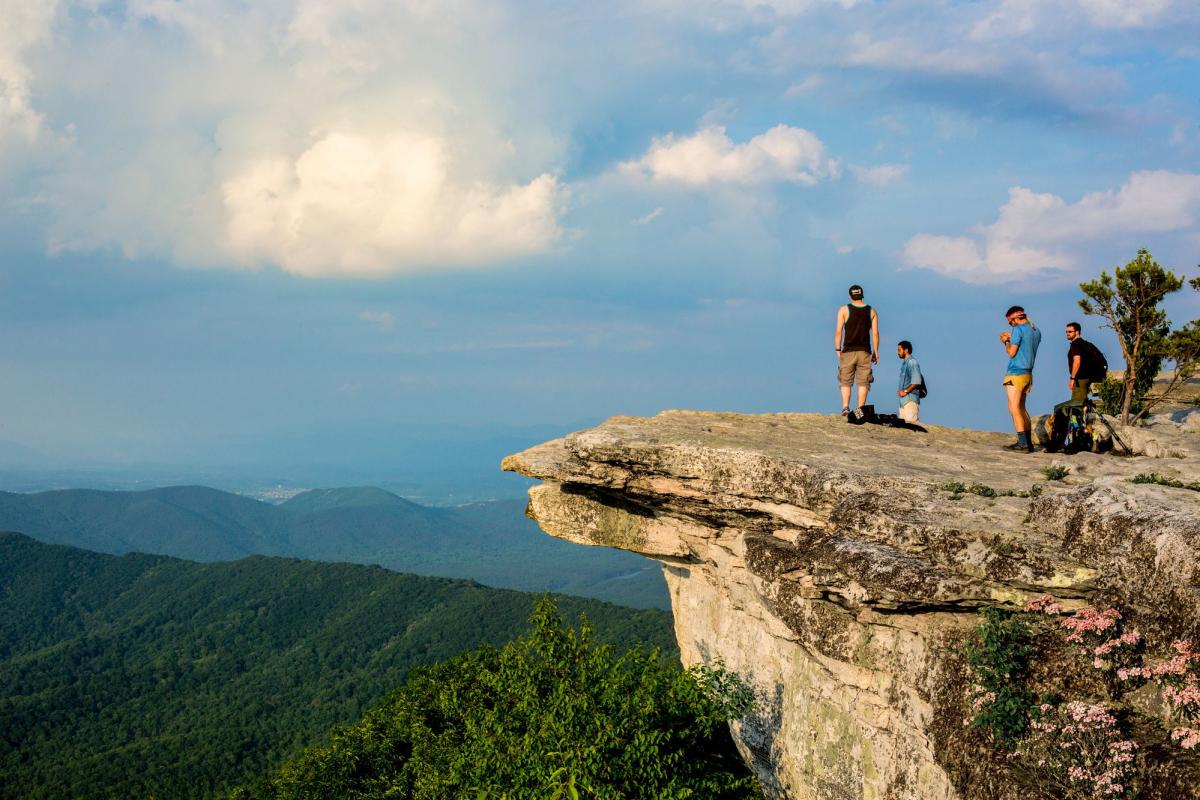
(912, 384)
(1085, 364)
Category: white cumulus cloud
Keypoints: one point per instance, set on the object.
(323, 138)
(783, 154)
(26, 23)
(353, 205)
(1037, 233)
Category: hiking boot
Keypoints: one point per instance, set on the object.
(1017, 446)
(845, 411)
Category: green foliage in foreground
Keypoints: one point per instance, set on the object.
(1055, 472)
(1163, 480)
(999, 656)
(958, 488)
(551, 715)
(148, 677)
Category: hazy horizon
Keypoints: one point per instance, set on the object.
(251, 237)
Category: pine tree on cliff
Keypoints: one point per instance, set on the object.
(1129, 303)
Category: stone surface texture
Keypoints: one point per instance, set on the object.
(823, 562)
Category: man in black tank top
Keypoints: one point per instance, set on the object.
(856, 341)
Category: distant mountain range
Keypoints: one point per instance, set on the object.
(147, 676)
(432, 464)
(491, 542)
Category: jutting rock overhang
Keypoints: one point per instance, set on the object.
(838, 569)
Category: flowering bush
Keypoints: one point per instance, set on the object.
(1044, 605)
(1179, 682)
(1076, 752)
(1112, 648)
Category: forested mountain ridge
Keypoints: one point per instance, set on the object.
(147, 676)
(490, 542)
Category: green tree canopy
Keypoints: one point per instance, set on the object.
(551, 715)
(1129, 303)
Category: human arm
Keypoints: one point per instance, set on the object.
(1075, 362)
(874, 337)
(914, 378)
(837, 332)
(1012, 341)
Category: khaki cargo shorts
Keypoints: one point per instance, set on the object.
(854, 367)
(1022, 382)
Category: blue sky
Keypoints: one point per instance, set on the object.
(224, 219)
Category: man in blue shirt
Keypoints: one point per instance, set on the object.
(910, 383)
(1021, 344)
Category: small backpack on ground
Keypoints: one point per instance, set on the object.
(861, 415)
(1071, 431)
(894, 421)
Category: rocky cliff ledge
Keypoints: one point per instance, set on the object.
(829, 564)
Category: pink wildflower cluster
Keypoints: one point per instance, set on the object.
(1044, 605)
(1100, 630)
(1187, 738)
(1091, 623)
(1111, 649)
(979, 698)
(1078, 747)
(1179, 680)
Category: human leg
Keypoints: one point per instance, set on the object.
(910, 412)
(1016, 387)
(1016, 400)
(845, 378)
(863, 376)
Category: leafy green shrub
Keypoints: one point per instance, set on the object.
(958, 488)
(1163, 480)
(999, 656)
(1109, 392)
(1055, 472)
(552, 714)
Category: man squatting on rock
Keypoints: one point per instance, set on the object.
(910, 381)
(1021, 344)
(858, 349)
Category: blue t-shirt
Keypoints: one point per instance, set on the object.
(1026, 338)
(910, 373)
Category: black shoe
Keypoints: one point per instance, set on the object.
(1028, 448)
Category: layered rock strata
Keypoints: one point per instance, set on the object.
(826, 564)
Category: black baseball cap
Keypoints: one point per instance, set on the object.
(856, 292)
